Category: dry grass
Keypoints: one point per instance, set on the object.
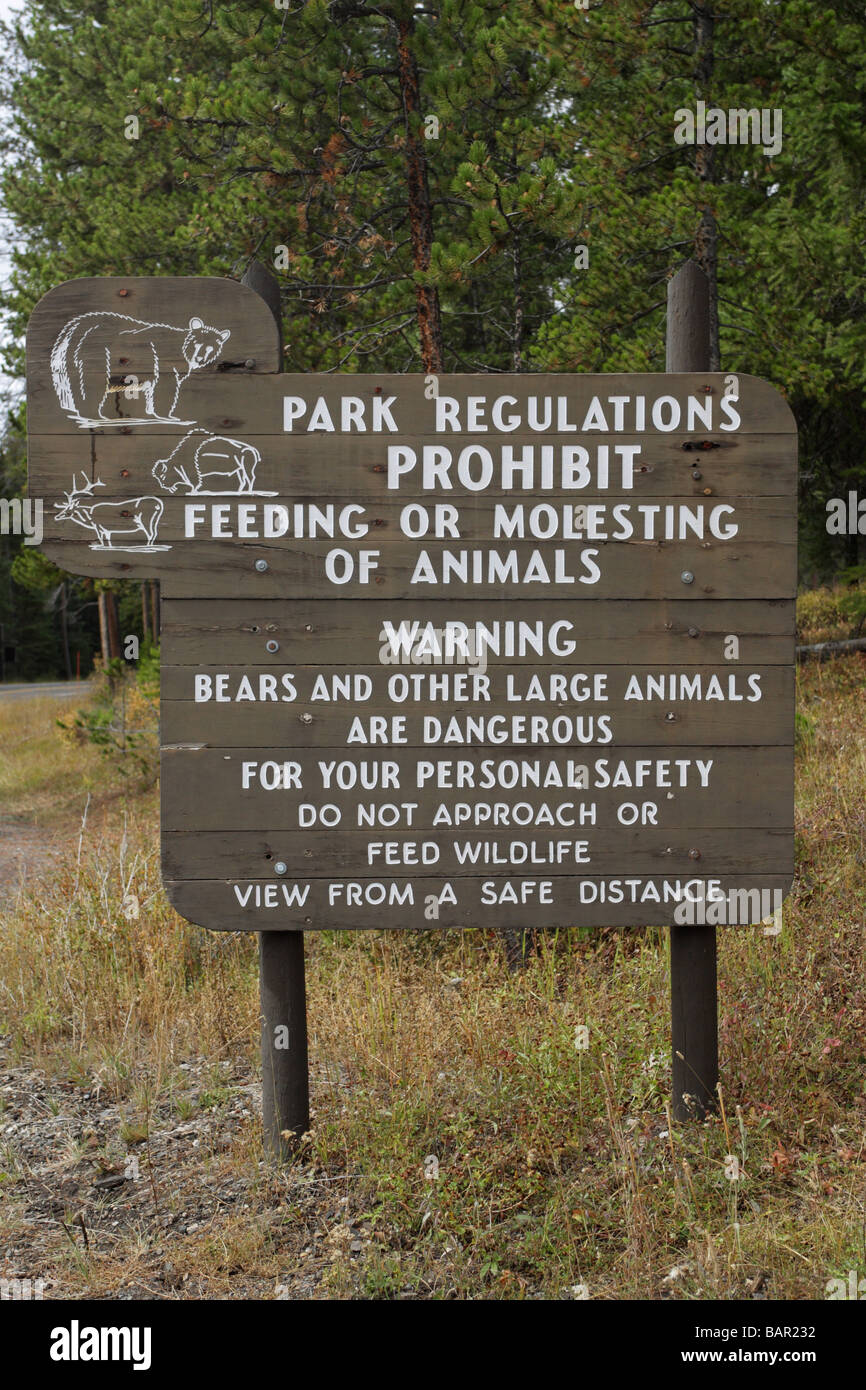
(557, 1168)
(42, 777)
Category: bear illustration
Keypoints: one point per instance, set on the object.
(206, 463)
(89, 376)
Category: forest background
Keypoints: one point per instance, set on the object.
(451, 185)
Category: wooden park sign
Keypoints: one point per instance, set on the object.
(455, 651)
(437, 651)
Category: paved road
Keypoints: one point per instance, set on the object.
(42, 689)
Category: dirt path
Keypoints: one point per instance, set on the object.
(25, 851)
(62, 690)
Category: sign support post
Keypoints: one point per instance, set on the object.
(282, 979)
(694, 986)
(285, 1074)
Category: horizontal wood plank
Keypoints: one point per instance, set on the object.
(254, 404)
(213, 903)
(188, 523)
(305, 722)
(336, 853)
(195, 631)
(747, 786)
(325, 466)
(757, 564)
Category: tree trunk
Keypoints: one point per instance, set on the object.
(154, 608)
(517, 320)
(103, 626)
(64, 630)
(112, 624)
(707, 236)
(825, 651)
(520, 942)
(420, 210)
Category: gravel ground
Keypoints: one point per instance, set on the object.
(98, 1207)
(23, 850)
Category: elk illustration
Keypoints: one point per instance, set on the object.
(135, 516)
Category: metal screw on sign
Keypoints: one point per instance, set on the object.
(281, 867)
(687, 577)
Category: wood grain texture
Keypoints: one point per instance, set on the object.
(636, 567)
(255, 404)
(332, 632)
(324, 853)
(752, 566)
(305, 723)
(223, 304)
(212, 903)
(767, 520)
(323, 466)
(201, 787)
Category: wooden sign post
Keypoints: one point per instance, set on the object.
(436, 651)
(694, 980)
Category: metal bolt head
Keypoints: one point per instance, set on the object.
(693, 632)
(694, 854)
(697, 474)
(687, 577)
(250, 363)
(281, 867)
(261, 566)
(272, 646)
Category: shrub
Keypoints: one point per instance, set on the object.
(123, 719)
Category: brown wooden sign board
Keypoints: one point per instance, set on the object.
(455, 651)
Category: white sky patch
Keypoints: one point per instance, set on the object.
(11, 389)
